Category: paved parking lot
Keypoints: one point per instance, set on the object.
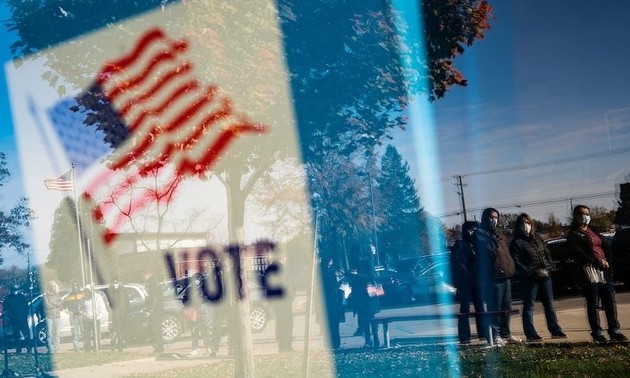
(571, 315)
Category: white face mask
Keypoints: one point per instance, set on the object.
(528, 228)
(585, 219)
(494, 222)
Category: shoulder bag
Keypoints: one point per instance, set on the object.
(594, 275)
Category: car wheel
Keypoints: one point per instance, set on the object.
(171, 328)
(258, 318)
(405, 295)
(41, 333)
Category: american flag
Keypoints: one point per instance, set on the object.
(62, 183)
(173, 125)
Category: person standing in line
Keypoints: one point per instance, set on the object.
(16, 312)
(463, 263)
(93, 312)
(154, 309)
(196, 312)
(591, 252)
(495, 267)
(331, 309)
(366, 304)
(533, 264)
(74, 303)
(119, 303)
(283, 309)
(54, 304)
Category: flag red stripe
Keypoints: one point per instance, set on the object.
(163, 106)
(164, 80)
(187, 166)
(154, 63)
(143, 44)
(189, 112)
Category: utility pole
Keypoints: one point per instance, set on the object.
(460, 188)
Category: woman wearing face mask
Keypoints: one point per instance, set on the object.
(591, 252)
(533, 264)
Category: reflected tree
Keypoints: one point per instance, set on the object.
(14, 219)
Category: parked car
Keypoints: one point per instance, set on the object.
(174, 323)
(6, 331)
(137, 296)
(418, 279)
(621, 256)
(424, 278)
(564, 267)
(137, 326)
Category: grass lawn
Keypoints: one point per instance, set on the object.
(24, 364)
(551, 360)
(546, 360)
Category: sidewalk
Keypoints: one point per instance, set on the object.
(572, 320)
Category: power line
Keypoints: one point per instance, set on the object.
(551, 162)
(536, 203)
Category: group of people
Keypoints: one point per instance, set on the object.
(485, 261)
(87, 309)
(363, 300)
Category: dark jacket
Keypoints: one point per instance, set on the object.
(119, 303)
(530, 254)
(582, 247)
(493, 254)
(15, 307)
(155, 297)
(463, 264)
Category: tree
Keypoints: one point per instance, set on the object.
(280, 203)
(65, 252)
(601, 219)
(14, 219)
(553, 228)
(344, 59)
(397, 202)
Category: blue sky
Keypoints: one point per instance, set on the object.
(547, 83)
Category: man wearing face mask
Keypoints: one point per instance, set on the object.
(591, 252)
(495, 267)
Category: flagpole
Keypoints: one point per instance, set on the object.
(76, 209)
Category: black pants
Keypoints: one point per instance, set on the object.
(365, 324)
(284, 325)
(91, 339)
(21, 334)
(155, 327)
(606, 293)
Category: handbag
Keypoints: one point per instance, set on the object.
(594, 275)
(375, 290)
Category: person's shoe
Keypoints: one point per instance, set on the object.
(512, 339)
(618, 336)
(558, 335)
(498, 341)
(193, 352)
(599, 338)
(534, 339)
